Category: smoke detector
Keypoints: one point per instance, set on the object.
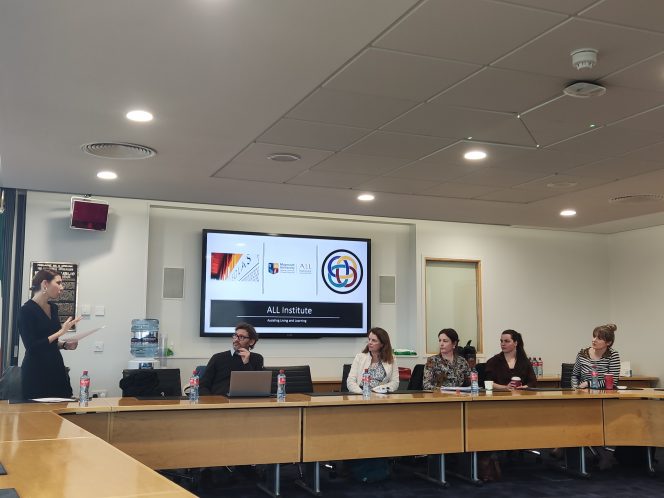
(584, 89)
(584, 58)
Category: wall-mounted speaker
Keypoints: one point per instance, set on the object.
(387, 289)
(173, 283)
(88, 214)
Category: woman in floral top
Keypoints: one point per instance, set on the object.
(446, 369)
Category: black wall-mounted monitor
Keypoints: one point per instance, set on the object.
(285, 285)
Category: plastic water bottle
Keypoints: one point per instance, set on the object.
(536, 366)
(281, 386)
(193, 387)
(594, 379)
(366, 384)
(474, 383)
(84, 389)
(540, 364)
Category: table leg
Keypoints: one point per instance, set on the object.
(435, 470)
(311, 478)
(271, 483)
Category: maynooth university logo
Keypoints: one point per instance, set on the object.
(342, 271)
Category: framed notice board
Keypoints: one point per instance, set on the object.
(69, 296)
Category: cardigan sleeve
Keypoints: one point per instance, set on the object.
(353, 376)
(393, 382)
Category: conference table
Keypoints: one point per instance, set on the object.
(134, 436)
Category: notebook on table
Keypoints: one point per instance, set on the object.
(250, 384)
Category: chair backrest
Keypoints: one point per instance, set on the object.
(151, 382)
(344, 377)
(298, 379)
(416, 378)
(481, 373)
(10, 384)
(200, 370)
(566, 375)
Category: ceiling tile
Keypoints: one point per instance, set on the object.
(517, 196)
(617, 103)
(440, 29)
(402, 76)
(615, 168)
(646, 75)
(645, 14)
(496, 154)
(581, 183)
(257, 153)
(401, 145)
(458, 190)
(496, 89)
(653, 153)
(396, 185)
(275, 172)
(329, 179)
(499, 177)
(353, 109)
(550, 54)
(564, 6)
(651, 121)
(543, 160)
(609, 141)
(354, 163)
(460, 123)
(311, 134)
(435, 172)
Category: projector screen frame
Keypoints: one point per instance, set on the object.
(266, 334)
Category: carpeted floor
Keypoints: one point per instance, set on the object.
(525, 476)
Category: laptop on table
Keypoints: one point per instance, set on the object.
(250, 384)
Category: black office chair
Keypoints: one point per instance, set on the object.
(344, 377)
(10, 384)
(416, 378)
(481, 373)
(298, 379)
(566, 375)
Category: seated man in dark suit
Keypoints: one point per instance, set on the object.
(217, 376)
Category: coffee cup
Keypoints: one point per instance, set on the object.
(488, 385)
(608, 381)
(516, 382)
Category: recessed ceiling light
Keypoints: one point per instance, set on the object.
(139, 115)
(592, 125)
(568, 212)
(366, 197)
(475, 155)
(284, 157)
(107, 175)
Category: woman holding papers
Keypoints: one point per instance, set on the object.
(511, 363)
(43, 372)
(600, 357)
(378, 358)
(446, 369)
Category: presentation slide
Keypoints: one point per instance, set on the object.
(285, 285)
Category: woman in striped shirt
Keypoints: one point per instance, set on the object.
(600, 357)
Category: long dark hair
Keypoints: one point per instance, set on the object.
(520, 349)
(386, 355)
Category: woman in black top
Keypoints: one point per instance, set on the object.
(43, 372)
(512, 361)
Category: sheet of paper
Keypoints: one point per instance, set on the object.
(452, 388)
(53, 400)
(81, 335)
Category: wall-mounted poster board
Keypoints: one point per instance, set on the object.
(69, 296)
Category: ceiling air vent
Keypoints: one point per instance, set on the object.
(637, 198)
(118, 150)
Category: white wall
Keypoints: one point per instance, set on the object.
(637, 297)
(551, 286)
(112, 272)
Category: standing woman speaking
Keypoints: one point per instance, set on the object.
(43, 372)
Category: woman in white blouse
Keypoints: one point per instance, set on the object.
(379, 359)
